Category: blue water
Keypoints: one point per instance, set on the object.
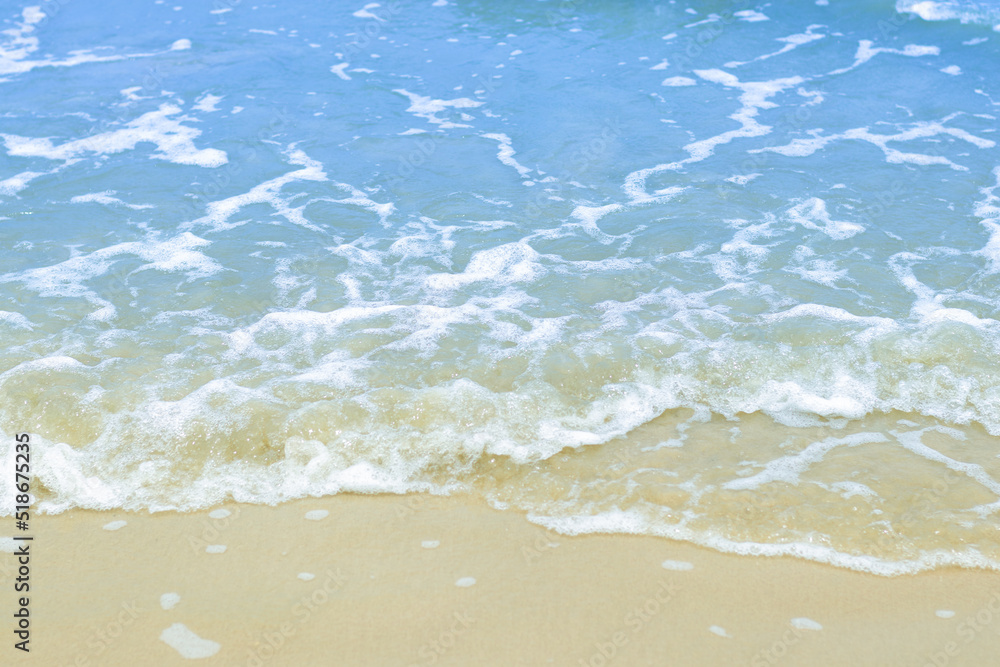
(723, 272)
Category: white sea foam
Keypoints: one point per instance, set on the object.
(339, 70)
(174, 141)
(365, 12)
(743, 179)
(218, 213)
(812, 214)
(408, 329)
(180, 638)
(750, 15)
(506, 154)
(177, 255)
(115, 525)
(631, 522)
(789, 468)
(208, 103)
(169, 601)
(677, 565)
(866, 52)
(106, 199)
(753, 98)
(506, 264)
(918, 131)
(14, 184)
(950, 10)
(803, 623)
(988, 211)
(15, 320)
(791, 42)
(428, 108)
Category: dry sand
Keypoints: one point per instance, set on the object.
(388, 590)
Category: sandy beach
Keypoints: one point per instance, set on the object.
(422, 580)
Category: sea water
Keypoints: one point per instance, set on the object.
(724, 272)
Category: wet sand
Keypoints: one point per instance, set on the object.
(420, 580)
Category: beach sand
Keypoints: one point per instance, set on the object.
(422, 580)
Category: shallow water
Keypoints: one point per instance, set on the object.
(723, 272)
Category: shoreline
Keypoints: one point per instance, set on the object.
(428, 580)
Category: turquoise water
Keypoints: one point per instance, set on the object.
(724, 272)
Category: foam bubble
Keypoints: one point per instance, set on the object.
(219, 513)
(169, 600)
(465, 582)
(364, 12)
(115, 525)
(720, 631)
(750, 15)
(944, 613)
(339, 70)
(180, 638)
(430, 544)
(429, 108)
(215, 549)
(677, 565)
(803, 623)
(317, 515)
(181, 45)
(306, 576)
